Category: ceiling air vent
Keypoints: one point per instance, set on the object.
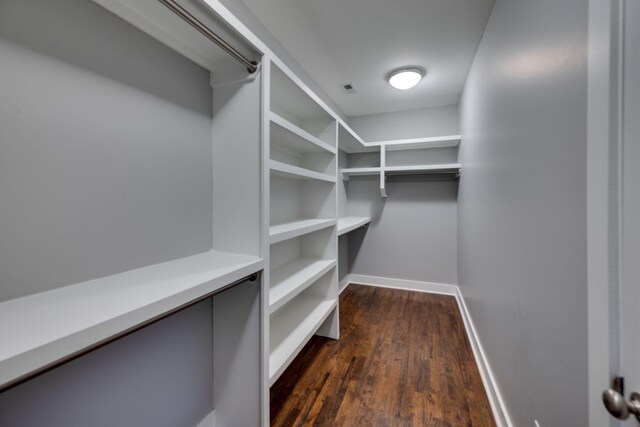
(348, 88)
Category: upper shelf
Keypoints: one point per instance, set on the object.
(42, 329)
(418, 143)
(423, 169)
(347, 172)
(284, 133)
(159, 22)
(290, 171)
(350, 223)
(350, 143)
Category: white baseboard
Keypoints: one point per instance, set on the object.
(407, 285)
(490, 385)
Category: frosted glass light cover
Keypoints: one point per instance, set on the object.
(405, 78)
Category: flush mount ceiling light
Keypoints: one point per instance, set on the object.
(405, 78)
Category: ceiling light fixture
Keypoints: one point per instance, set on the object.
(405, 78)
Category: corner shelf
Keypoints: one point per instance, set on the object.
(295, 228)
(423, 169)
(292, 327)
(294, 277)
(350, 223)
(50, 326)
(296, 138)
(289, 171)
(348, 172)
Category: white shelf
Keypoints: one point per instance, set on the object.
(287, 134)
(350, 223)
(295, 228)
(347, 172)
(158, 21)
(294, 277)
(292, 328)
(43, 328)
(419, 143)
(289, 171)
(441, 168)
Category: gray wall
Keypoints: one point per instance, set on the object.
(522, 206)
(105, 153)
(160, 376)
(407, 124)
(413, 233)
(105, 165)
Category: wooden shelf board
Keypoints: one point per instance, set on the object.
(290, 171)
(350, 223)
(295, 228)
(285, 133)
(44, 328)
(292, 278)
(292, 328)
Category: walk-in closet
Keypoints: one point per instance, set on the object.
(252, 213)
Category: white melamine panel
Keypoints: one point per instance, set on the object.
(236, 220)
(51, 325)
(161, 23)
(236, 355)
(294, 228)
(286, 134)
(420, 143)
(294, 277)
(347, 172)
(292, 327)
(350, 223)
(294, 172)
(441, 168)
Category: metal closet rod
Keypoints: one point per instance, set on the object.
(66, 359)
(252, 66)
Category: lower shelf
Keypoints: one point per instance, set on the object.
(292, 327)
(50, 326)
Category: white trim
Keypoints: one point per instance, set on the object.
(496, 401)
(407, 285)
(498, 407)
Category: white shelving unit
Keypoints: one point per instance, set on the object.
(350, 223)
(294, 277)
(291, 229)
(292, 328)
(288, 171)
(57, 320)
(349, 172)
(303, 285)
(52, 325)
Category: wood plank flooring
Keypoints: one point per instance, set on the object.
(403, 359)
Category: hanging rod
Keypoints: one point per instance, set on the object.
(88, 349)
(252, 66)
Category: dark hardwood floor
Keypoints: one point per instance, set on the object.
(403, 359)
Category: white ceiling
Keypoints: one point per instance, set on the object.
(360, 41)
